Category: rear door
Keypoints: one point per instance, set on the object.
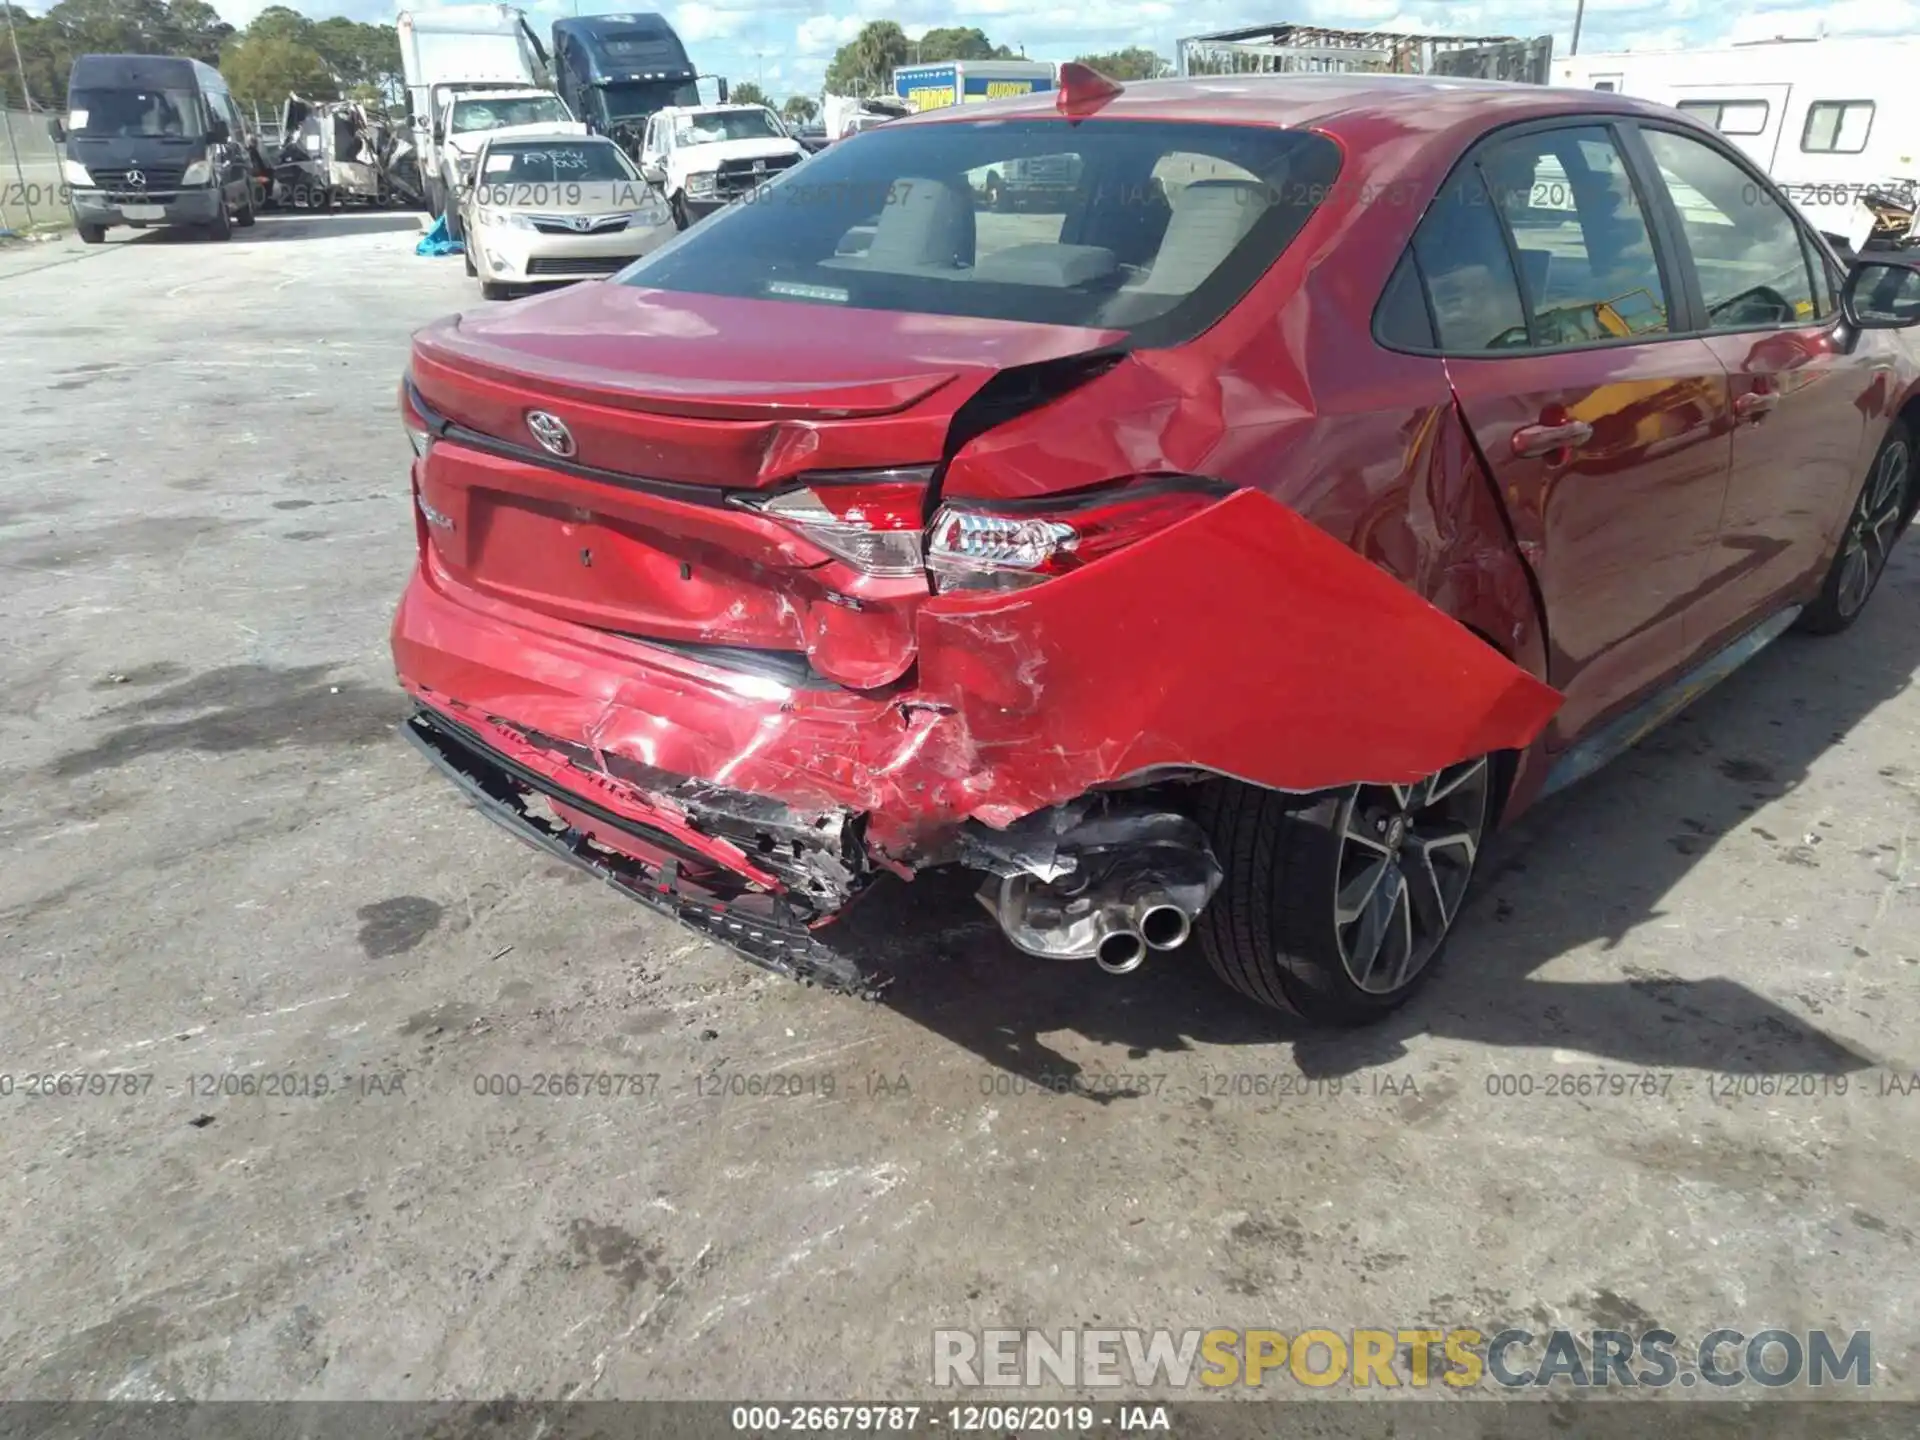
(1604, 429)
(1801, 389)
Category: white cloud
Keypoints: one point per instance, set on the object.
(744, 39)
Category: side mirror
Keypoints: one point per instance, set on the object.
(723, 92)
(439, 134)
(1881, 296)
(653, 172)
(57, 131)
(218, 132)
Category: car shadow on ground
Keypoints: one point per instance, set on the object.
(275, 226)
(1589, 865)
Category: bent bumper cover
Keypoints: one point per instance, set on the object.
(760, 926)
(1243, 642)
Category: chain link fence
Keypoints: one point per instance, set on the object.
(32, 196)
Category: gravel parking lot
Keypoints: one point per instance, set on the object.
(225, 873)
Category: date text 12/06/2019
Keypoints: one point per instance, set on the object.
(964, 1419)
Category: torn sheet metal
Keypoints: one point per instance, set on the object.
(1242, 641)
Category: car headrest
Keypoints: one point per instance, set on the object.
(928, 222)
(1210, 217)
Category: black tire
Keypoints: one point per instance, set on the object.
(494, 290)
(466, 255)
(680, 217)
(221, 227)
(455, 229)
(91, 234)
(1879, 514)
(247, 216)
(1273, 932)
(436, 198)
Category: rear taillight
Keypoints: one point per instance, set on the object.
(984, 547)
(418, 435)
(873, 519)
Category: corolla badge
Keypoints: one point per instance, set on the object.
(439, 519)
(551, 431)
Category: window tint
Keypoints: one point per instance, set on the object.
(1730, 117)
(1150, 227)
(1587, 264)
(1402, 321)
(1837, 127)
(1463, 258)
(1746, 247)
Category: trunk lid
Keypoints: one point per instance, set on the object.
(675, 407)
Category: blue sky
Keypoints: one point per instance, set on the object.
(785, 44)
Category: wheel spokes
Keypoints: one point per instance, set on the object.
(1379, 922)
(1406, 855)
(1856, 576)
(1358, 892)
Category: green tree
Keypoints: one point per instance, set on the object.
(44, 80)
(866, 63)
(958, 42)
(126, 27)
(265, 70)
(195, 28)
(1132, 63)
(747, 93)
(279, 22)
(800, 109)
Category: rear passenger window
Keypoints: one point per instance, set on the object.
(1746, 248)
(1587, 264)
(1469, 275)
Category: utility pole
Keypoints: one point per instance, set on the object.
(1579, 14)
(26, 95)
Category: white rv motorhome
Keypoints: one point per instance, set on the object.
(1828, 119)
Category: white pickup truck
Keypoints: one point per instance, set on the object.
(702, 156)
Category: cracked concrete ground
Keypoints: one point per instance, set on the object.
(223, 866)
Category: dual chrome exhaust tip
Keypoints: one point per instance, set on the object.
(1118, 887)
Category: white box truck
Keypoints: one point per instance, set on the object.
(488, 54)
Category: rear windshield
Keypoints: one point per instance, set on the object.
(1147, 226)
(550, 162)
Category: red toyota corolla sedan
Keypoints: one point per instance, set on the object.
(1282, 483)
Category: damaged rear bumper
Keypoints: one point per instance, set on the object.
(1243, 642)
(759, 925)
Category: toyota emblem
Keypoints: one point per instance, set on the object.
(551, 431)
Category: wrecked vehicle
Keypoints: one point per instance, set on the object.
(335, 153)
(1223, 558)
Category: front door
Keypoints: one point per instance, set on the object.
(1801, 389)
(1605, 434)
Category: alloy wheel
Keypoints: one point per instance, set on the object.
(1873, 528)
(1406, 855)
